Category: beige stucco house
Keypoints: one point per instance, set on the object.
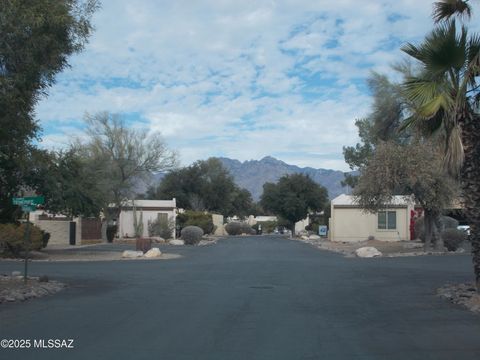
(350, 223)
(150, 209)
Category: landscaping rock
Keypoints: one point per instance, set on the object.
(130, 254)
(153, 252)
(177, 242)
(305, 237)
(367, 252)
(462, 294)
(14, 289)
(16, 273)
(314, 237)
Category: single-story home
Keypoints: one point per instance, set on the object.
(299, 225)
(350, 223)
(66, 231)
(150, 210)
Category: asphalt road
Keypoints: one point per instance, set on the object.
(248, 298)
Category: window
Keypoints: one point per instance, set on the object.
(387, 220)
(162, 217)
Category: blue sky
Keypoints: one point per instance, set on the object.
(242, 79)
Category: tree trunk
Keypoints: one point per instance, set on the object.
(437, 233)
(470, 179)
(428, 225)
(104, 230)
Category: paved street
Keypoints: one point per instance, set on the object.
(248, 298)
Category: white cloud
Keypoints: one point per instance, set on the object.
(241, 79)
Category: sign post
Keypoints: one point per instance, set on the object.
(28, 204)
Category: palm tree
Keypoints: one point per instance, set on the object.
(445, 9)
(445, 95)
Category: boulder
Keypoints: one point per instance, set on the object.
(305, 237)
(315, 237)
(16, 273)
(153, 252)
(177, 242)
(367, 252)
(130, 254)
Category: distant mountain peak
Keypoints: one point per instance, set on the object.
(252, 174)
(269, 158)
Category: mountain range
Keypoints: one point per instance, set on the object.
(252, 174)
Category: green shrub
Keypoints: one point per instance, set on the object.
(192, 235)
(267, 226)
(163, 227)
(446, 221)
(12, 239)
(453, 238)
(238, 228)
(312, 227)
(233, 228)
(196, 218)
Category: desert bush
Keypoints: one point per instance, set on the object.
(453, 238)
(196, 218)
(12, 239)
(192, 234)
(446, 221)
(163, 227)
(233, 228)
(238, 228)
(247, 229)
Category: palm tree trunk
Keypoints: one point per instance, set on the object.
(470, 179)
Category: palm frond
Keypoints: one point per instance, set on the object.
(442, 50)
(428, 97)
(407, 123)
(445, 9)
(430, 108)
(454, 152)
(476, 101)
(473, 64)
(432, 126)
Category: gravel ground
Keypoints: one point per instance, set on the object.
(91, 253)
(13, 288)
(387, 248)
(462, 294)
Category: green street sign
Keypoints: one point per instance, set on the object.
(29, 201)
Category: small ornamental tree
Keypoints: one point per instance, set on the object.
(414, 169)
(293, 197)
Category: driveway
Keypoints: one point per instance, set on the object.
(248, 298)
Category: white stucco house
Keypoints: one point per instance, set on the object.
(151, 210)
(350, 223)
(299, 225)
